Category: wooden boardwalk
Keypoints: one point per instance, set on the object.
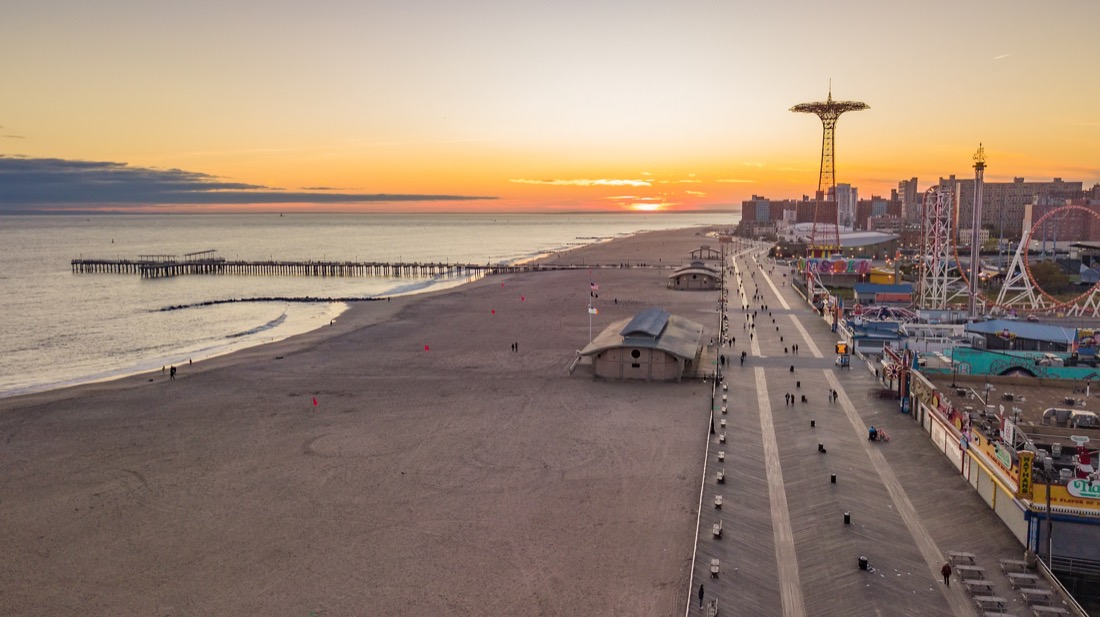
(906, 507)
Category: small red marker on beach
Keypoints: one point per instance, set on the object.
(493, 311)
(522, 298)
(425, 348)
(315, 401)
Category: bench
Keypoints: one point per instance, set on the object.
(721, 474)
(1040, 611)
(961, 556)
(1013, 565)
(722, 436)
(722, 423)
(712, 608)
(723, 410)
(979, 585)
(1018, 579)
(996, 614)
(718, 501)
(721, 455)
(714, 567)
(985, 602)
(1037, 596)
(969, 572)
(717, 529)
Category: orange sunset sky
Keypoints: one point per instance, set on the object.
(541, 105)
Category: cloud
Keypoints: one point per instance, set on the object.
(47, 184)
(13, 136)
(584, 182)
(1002, 56)
(736, 181)
(696, 193)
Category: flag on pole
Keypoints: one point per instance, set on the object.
(593, 287)
(593, 310)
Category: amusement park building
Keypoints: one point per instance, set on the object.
(1022, 335)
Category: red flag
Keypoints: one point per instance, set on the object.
(315, 401)
(425, 348)
(522, 298)
(494, 311)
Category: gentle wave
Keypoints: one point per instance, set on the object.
(267, 326)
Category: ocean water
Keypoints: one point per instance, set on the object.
(58, 328)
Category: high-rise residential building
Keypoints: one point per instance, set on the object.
(910, 199)
(1071, 225)
(847, 196)
(1003, 202)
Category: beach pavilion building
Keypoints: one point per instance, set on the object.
(696, 276)
(652, 346)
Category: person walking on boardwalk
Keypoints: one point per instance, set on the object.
(945, 571)
(700, 595)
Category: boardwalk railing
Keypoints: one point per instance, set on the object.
(164, 269)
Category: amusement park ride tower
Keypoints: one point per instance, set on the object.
(825, 234)
(975, 229)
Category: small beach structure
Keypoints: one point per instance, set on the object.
(695, 276)
(704, 252)
(652, 346)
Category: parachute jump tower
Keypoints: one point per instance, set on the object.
(825, 234)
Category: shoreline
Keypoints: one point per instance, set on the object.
(432, 451)
(420, 287)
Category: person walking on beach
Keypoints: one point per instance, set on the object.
(172, 373)
(700, 595)
(945, 571)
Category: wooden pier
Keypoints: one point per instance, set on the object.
(171, 267)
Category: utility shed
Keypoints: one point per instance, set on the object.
(652, 346)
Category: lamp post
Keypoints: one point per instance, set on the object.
(1049, 477)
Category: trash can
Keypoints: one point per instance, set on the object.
(862, 562)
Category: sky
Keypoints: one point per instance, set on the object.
(556, 105)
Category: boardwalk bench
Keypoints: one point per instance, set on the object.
(1037, 596)
(961, 557)
(969, 572)
(985, 602)
(1020, 579)
(712, 608)
(721, 476)
(718, 501)
(996, 614)
(714, 567)
(979, 585)
(722, 437)
(1041, 611)
(1013, 565)
(717, 530)
(721, 455)
(722, 423)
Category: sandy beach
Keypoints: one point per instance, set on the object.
(439, 472)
